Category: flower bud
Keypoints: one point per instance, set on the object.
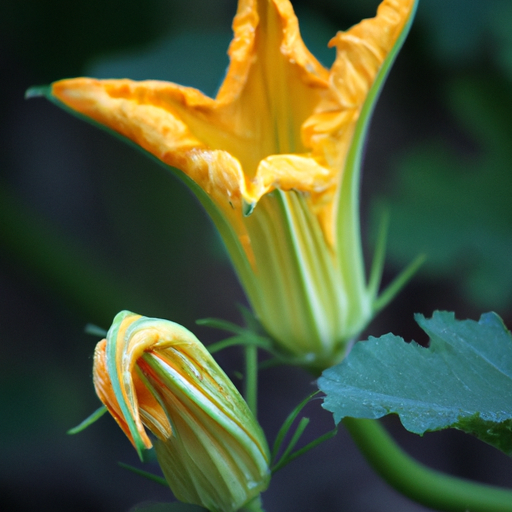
(156, 374)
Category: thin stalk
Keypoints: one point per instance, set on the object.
(150, 476)
(303, 423)
(251, 378)
(419, 483)
(398, 283)
(285, 428)
(96, 415)
(282, 463)
(379, 256)
(256, 341)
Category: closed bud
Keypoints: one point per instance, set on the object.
(154, 374)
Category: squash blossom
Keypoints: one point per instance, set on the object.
(155, 373)
(275, 159)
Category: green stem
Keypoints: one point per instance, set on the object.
(251, 378)
(254, 505)
(419, 483)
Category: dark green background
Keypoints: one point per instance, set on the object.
(88, 226)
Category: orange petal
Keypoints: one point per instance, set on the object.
(105, 392)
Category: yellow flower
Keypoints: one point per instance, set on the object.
(155, 373)
(275, 160)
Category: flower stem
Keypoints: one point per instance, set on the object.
(254, 505)
(251, 378)
(419, 483)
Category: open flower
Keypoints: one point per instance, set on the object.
(275, 160)
(155, 373)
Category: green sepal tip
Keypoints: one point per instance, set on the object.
(38, 91)
(96, 415)
(146, 474)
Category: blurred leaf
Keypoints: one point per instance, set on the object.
(62, 264)
(454, 33)
(184, 58)
(501, 21)
(56, 37)
(180, 58)
(456, 207)
(456, 29)
(463, 380)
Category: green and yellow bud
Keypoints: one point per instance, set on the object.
(154, 374)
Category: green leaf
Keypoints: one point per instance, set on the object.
(463, 380)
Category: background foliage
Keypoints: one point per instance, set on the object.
(89, 227)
